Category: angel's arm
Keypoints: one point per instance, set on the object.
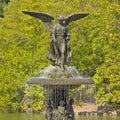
(53, 33)
(53, 36)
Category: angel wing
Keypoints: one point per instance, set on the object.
(44, 17)
(75, 16)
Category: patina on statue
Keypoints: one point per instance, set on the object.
(59, 107)
(59, 52)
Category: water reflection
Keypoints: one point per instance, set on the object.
(110, 117)
(23, 116)
(20, 116)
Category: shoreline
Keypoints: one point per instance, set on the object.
(92, 109)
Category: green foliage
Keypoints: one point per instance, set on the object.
(2, 4)
(108, 73)
(33, 99)
(24, 42)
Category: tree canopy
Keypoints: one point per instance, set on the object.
(24, 43)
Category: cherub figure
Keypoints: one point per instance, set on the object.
(59, 52)
(62, 111)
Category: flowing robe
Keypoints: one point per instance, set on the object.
(60, 45)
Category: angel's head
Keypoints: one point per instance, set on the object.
(61, 19)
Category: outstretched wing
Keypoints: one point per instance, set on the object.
(44, 17)
(75, 16)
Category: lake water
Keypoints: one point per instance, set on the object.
(23, 116)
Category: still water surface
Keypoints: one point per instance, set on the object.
(21, 116)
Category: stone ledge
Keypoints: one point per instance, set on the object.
(53, 75)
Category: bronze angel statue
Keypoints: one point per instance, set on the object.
(59, 52)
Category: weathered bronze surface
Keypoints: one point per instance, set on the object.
(59, 52)
(59, 80)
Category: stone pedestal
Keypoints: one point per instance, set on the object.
(58, 83)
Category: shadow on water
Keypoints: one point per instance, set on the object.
(23, 116)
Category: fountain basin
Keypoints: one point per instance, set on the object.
(53, 76)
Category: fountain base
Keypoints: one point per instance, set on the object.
(58, 84)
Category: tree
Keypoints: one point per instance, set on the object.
(24, 42)
(2, 6)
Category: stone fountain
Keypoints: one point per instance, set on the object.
(59, 79)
